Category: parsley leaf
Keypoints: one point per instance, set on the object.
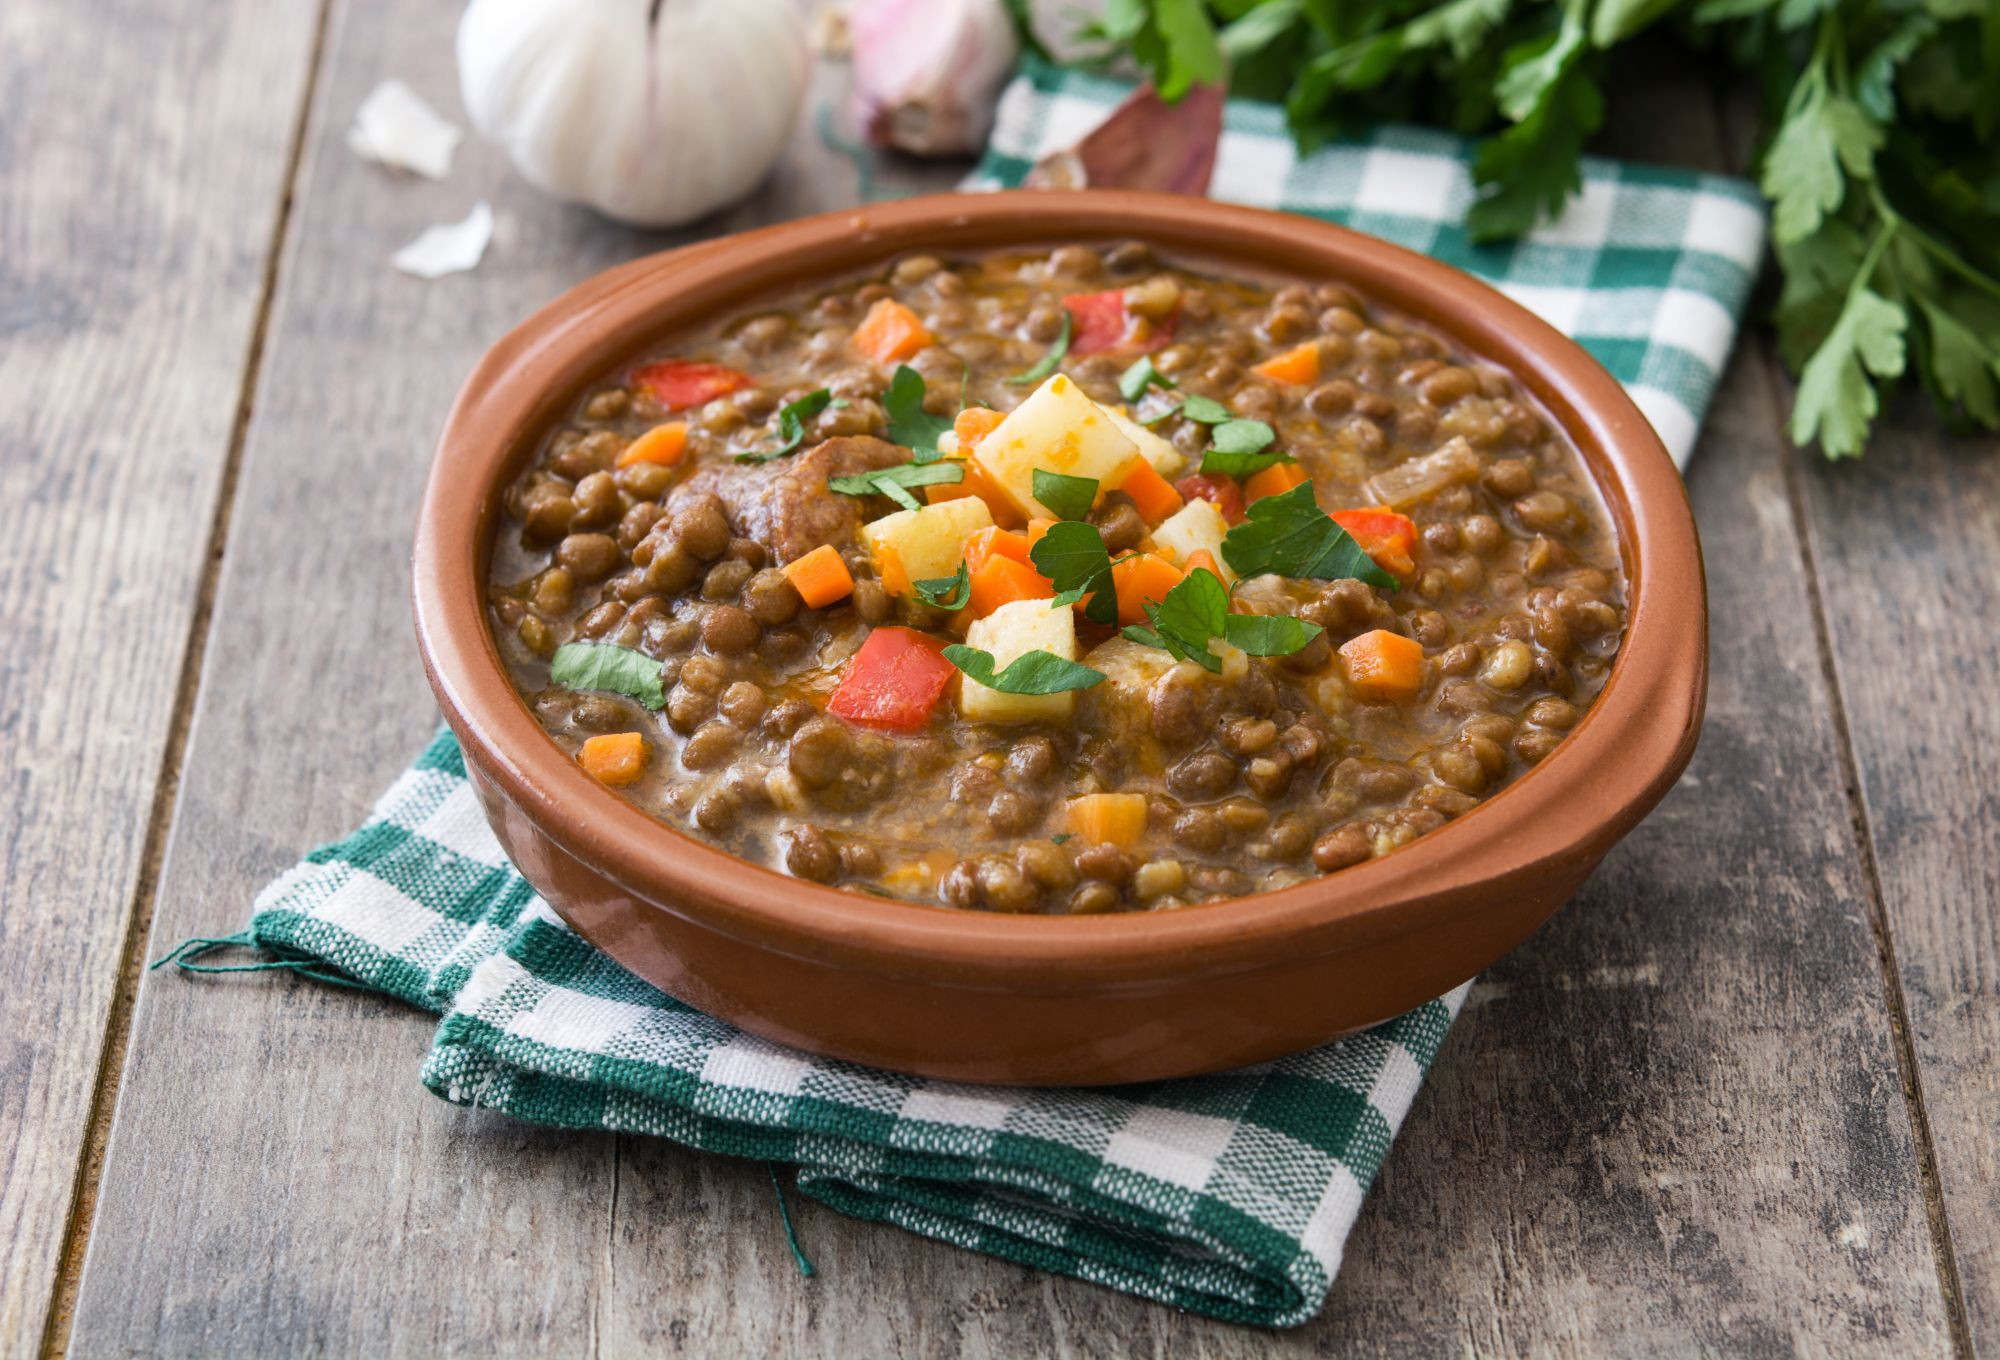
(1036, 672)
(1221, 463)
(1530, 170)
(1206, 411)
(1823, 134)
(1239, 448)
(1198, 609)
(792, 418)
(909, 423)
(1242, 436)
(1836, 400)
(1269, 634)
(894, 482)
(606, 666)
(1134, 381)
(1965, 355)
(1072, 555)
(941, 592)
(1290, 535)
(1069, 497)
(1047, 363)
(1194, 611)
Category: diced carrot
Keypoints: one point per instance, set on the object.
(974, 423)
(1001, 580)
(1114, 818)
(1389, 538)
(889, 569)
(615, 758)
(1207, 486)
(1383, 665)
(820, 577)
(890, 332)
(995, 542)
(663, 444)
(977, 483)
(1298, 365)
(1036, 528)
(1153, 494)
(1274, 480)
(1138, 578)
(1201, 559)
(678, 384)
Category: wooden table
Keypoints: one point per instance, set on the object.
(1741, 1096)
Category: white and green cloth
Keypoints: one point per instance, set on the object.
(1649, 269)
(1230, 1195)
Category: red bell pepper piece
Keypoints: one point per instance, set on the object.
(1389, 538)
(678, 384)
(895, 680)
(1207, 486)
(1099, 322)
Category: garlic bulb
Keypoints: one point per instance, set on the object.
(651, 111)
(927, 73)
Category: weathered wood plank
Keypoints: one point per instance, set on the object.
(277, 1180)
(1650, 1133)
(1907, 543)
(140, 182)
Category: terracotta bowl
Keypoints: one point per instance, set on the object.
(1049, 999)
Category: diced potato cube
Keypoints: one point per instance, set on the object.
(1008, 632)
(925, 543)
(1057, 429)
(1167, 460)
(1196, 527)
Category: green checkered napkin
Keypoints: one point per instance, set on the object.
(1649, 268)
(1230, 1195)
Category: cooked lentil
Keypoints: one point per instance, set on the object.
(1262, 775)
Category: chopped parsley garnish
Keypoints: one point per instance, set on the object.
(894, 482)
(1242, 436)
(1197, 610)
(1036, 672)
(951, 593)
(607, 666)
(1134, 381)
(1072, 555)
(909, 423)
(1290, 535)
(792, 418)
(1069, 497)
(1241, 448)
(1206, 411)
(1047, 363)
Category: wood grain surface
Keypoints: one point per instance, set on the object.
(1675, 1121)
(1907, 543)
(140, 187)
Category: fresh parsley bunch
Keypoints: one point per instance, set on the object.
(1882, 160)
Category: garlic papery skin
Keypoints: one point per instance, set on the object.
(653, 112)
(927, 73)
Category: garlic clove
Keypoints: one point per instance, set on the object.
(449, 247)
(395, 127)
(927, 73)
(1144, 143)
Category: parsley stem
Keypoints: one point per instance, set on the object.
(1870, 261)
(1931, 245)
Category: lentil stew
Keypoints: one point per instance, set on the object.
(1062, 581)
